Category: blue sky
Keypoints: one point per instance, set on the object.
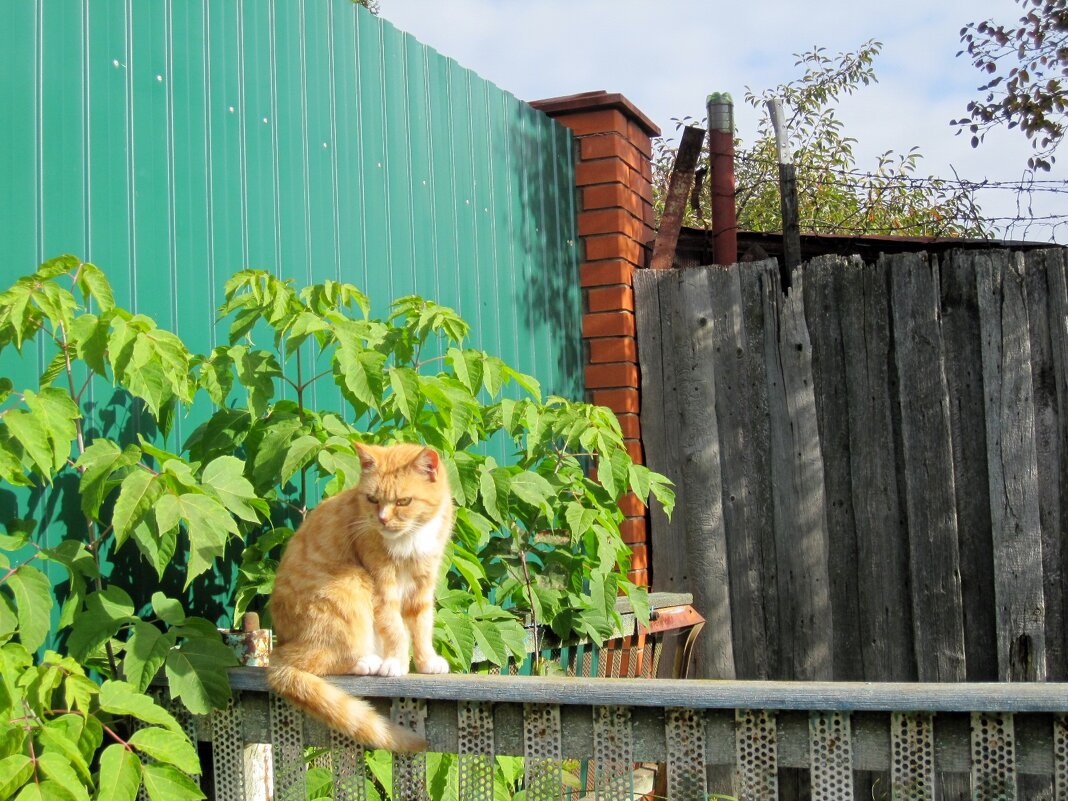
(667, 56)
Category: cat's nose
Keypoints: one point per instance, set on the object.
(383, 515)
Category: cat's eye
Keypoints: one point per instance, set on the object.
(373, 499)
(403, 501)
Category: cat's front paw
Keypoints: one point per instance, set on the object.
(369, 665)
(435, 664)
(391, 666)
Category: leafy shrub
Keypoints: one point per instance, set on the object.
(537, 543)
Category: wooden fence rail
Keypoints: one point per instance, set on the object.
(872, 469)
(994, 734)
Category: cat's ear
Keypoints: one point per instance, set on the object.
(367, 461)
(427, 463)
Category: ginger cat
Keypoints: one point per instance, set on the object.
(356, 586)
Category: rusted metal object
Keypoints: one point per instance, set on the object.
(675, 202)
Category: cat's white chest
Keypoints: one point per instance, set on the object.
(424, 541)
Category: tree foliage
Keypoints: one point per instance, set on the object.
(537, 538)
(834, 194)
(1027, 64)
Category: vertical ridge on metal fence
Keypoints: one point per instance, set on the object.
(287, 738)
(541, 747)
(685, 732)
(348, 760)
(409, 770)
(756, 758)
(475, 749)
(831, 749)
(613, 752)
(912, 771)
(993, 750)
(228, 750)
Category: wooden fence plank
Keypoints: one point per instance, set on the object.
(884, 604)
(967, 419)
(928, 461)
(1058, 293)
(805, 622)
(1013, 469)
(654, 294)
(742, 418)
(1044, 279)
(703, 514)
(824, 310)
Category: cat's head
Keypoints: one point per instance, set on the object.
(401, 487)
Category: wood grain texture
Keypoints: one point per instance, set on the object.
(884, 604)
(742, 419)
(699, 693)
(703, 514)
(805, 622)
(823, 284)
(654, 294)
(967, 416)
(1012, 467)
(937, 613)
(1047, 304)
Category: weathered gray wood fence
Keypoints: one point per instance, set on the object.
(872, 470)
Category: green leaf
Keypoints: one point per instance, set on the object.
(56, 768)
(467, 367)
(99, 461)
(640, 480)
(217, 375)
(531, 488)
(490, 498)
(61, 737)
(30, 433)
(8, 619)
(257, 371)
(106, 613)
(405, 383)
(93, 284)
(301, 453)
(120, 698)
(46, 790)
(156, 544)
(15, 771)
(167, 609)
(146, 652)
(490, 641)
(120, 774)
(226, 476)
(167, 746)
(579, 518)
(613, 471)
(207, 523)
(33, 604)
(165, 783)
(662, 491)
(90, 336)
(137, 495)
(454, 628)
(197, 673)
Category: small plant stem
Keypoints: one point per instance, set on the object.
(90, 524)
(300, 412)
(530, 599)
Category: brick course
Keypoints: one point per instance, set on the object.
(615, 222)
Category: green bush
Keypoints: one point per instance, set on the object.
(536, 548)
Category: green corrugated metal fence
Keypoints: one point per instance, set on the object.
(174, 142)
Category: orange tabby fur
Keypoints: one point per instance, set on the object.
(355, 587)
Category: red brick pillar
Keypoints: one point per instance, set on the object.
(614, 178)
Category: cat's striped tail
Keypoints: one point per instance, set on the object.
(339, 710)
